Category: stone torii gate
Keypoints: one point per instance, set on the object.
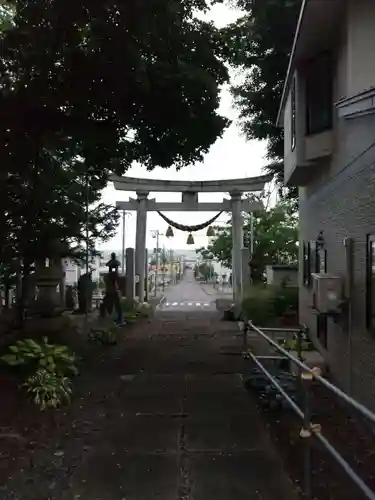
(190, 202)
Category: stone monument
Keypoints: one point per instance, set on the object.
(47, 278)
(112, 290)
(85, 289)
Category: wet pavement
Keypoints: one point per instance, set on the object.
(182, 425)
(164, 416)
(188, 295)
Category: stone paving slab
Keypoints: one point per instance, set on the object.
(180, 425)
(128, 476)
(220, 436)
(151, 402)
(244, 476)
(147, 434)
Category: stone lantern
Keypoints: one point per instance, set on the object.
(49, 274)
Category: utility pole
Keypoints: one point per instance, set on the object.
(157, 260)
(251, 243)
(156, 234)
(251, 233)
(123, 243)
(171, 266)
(164, 262)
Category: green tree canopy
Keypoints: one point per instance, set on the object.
(204, 269)
(275, 238)
(86, 89)
(260, 43)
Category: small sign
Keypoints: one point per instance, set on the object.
(137, 278)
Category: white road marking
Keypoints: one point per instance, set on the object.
(184, 304)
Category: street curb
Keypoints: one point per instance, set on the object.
(206, 292)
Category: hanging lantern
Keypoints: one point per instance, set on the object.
(210, 232)
(190, 240)
(169, 232)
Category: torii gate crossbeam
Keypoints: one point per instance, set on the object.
(190, 202)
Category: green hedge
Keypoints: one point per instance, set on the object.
(265, 304)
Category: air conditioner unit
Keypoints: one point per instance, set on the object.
(327, 292)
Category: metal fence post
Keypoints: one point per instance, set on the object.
(299, 344)
(307, 379)
(245, 339)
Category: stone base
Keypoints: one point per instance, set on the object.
(224, 303)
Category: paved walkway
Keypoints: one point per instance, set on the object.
(217, 290)
(181, 425)
(163, 417)
(187, 295)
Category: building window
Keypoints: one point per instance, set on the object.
(321, 329)
(319, 94)
(306, 263)
(370, 281)
(293, 116)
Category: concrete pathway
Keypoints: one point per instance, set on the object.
(162, 416)
(187, 295)
(179, 424)
(217, 290)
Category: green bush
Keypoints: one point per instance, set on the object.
(257, 305)
(53, 358)
(106, 336)
(48, 390)
(264, 304)
(285, 300)
(49, 364)
(145, 310)
(128, 305)
(130, 317)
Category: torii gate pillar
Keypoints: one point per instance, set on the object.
(140, 244)
(237, 244)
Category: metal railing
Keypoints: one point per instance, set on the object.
(306, 376)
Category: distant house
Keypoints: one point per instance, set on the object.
(328, 115)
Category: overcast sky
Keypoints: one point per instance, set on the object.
(230, 157)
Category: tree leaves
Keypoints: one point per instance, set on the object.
(260, 43)
(86, 89)
(275, 238)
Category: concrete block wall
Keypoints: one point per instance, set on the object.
(340, 201)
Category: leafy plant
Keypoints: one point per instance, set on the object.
(105, 337)
(47, 389)
(263, 304)
(285, 300)
(55, 359)
(130, 317)
(128, 304)
(145, 310)
(292, 344)
(257, 305)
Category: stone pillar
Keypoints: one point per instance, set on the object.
(245, 269)
(140, 244)
(237, 242)
(146, 275)
(62, 287)
(130, 274)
